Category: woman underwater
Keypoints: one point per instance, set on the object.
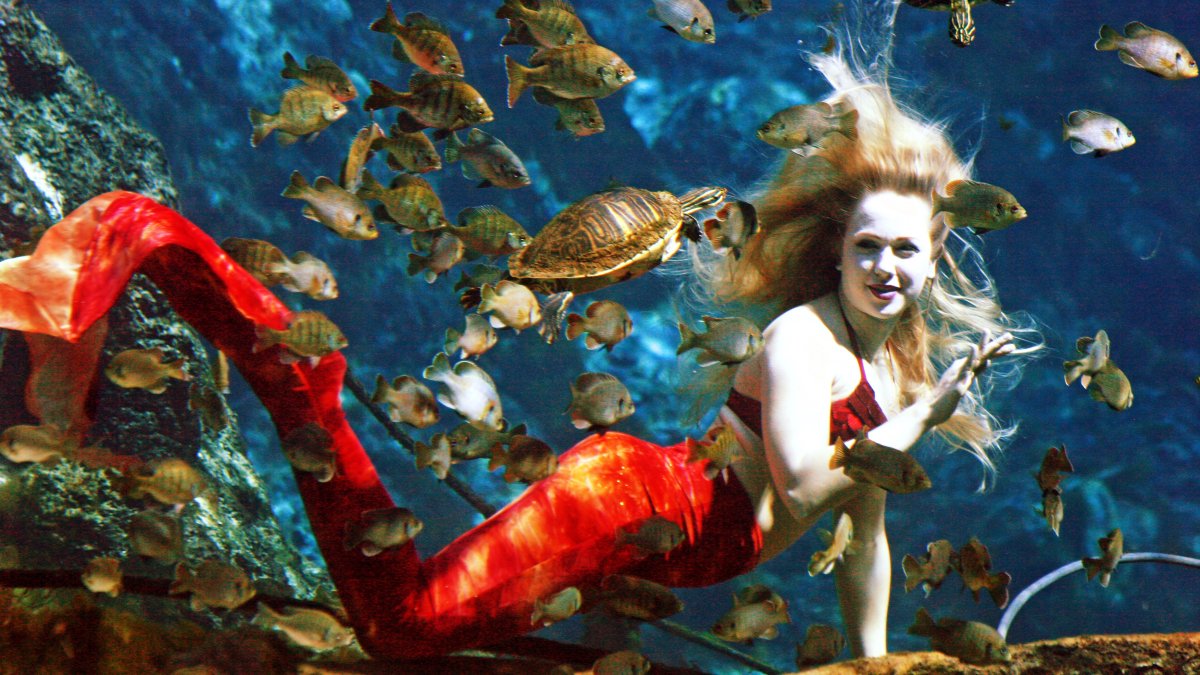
(868, 299)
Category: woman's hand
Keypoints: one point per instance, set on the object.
(961, 374)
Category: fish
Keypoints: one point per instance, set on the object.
(803, 128)
(750, 9)
(579, 116)
(221, 373)
(145, 369)
(598, 401)
(468, 442)
(489, 231)
(1154, 51)
(331, 205)
(753, 593)
(304, 112)
(1049, 481)
(1101, 377)
(306, 627)
(480, 275)
(719, 447)
(309, 449)
(550, 23)
(750, 620)
(24, 443)
(822, 561)
(422, 41)
(409, 151)
(822, 643)
(103, 575)
(168, 480)
(302, 273)
(362, 148)
(208, 403)
(570, 71)
(690, 19)
(487, 159)
(638, 598)
(156, 535)
(527, 459)
(931, 569)
(557, 607)
(869, 462)
(213, 584)
(409, 201)
(728, 340)
(468, 390)
(510, 305)
(731, 227)
(968, 641)
(1096, 133)
(321, 73)
(654, 536)
(624, 662)
(435, 455)
(476, 339)
(605, 323)
(407, 400)
(979, 206)
(1112, 548)
(974, 565)
(443, 102)
(310, 334)
(445, 251)
(379, 530)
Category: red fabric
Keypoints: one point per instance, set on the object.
(562, 531)
(846, 416)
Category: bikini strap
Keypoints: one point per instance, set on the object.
(853, 339)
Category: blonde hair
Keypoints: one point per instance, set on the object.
(803, 212)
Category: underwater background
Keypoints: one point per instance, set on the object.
(1110, 243)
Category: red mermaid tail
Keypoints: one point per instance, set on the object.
(562, 531)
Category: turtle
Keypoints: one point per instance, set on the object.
(962, 27)
(606, 238)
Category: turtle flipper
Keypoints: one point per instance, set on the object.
(962, 26)
(554, 310)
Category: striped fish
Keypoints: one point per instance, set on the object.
(409, 151)
(553, 24)
(571, 71)
(422, 41)
(444, 102)
(410, 202)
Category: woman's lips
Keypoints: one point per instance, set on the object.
(884, 292)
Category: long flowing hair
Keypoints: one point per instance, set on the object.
(803, 211)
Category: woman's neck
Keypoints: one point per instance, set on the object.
(871, 332)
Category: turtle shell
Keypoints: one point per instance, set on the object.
(601, 235)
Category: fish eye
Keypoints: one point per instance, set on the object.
(708, 31)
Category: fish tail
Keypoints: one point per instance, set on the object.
(267, 338)
(439, 370)
(1091, 566)
(924, 624)
(912, 572)
(263, 124)
(297, 186)
(291, 67)
(487, 296)
(381, 389)
(838, 460)
(575, 326)
(451, 342)
(511, 9)
(183, 580)
(424, 455)
(387, 23)
(1072, 370)
(499, 459)
(517, 79)
(1066, 128)
(1109, 39)
(454, 147)
(265, 615)
(383, 96)
(687, 338)
(998, 588)
(416, 263)
(175, 369)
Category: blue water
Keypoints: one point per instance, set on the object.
(1110, 243)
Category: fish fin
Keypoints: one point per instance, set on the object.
(517, 79)
(711, 470)
(924, 624)
(388, 22)
(1086, 381)
(838, 459)
(592, 343)
(263, 126)
(454, 148)
(438, 371)
(1136, 29)
(419, 20)
(440, 134)
(1129, 59)
(451, 341)
(575, 326)
(291, 67)
(481, 184)
(183, 580)
(687, 339)
(408, 124)
(498, 459)
(1109, 39)
(770, 633)
(912, 572)
(1081, 148)
(370, 549)
(297, 186)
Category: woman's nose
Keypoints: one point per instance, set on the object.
(885, 263)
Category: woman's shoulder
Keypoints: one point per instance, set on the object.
(806, 324)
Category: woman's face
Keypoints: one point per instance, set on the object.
(887, 253)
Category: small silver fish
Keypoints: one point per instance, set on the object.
(598, 401)
(408, 401)
(1151, 50)
(435, 455)
(690, 19)
(310, 449)
(476, 339)
(331, 205)
(557, 607)
(103, 575)
(487, 159)
(822, 561)
(445, 251)
(1096, 133)
(309, 628)
(731, 227)
(605, 323)
(510, 304)
(378, 530)
(468, 390)
(728, 341)
(213, 584)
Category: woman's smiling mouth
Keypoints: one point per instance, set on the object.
(883, 291)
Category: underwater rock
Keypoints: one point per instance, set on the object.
(62, 141)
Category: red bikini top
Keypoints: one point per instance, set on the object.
(846, 416)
